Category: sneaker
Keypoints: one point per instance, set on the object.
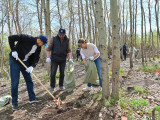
(52, 90)
(61, 88)
(15, 106)
(35, 100)
(86, 89)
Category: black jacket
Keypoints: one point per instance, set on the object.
(23, 46)
(60, 49)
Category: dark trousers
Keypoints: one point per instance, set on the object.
(15, 70)
(124, 55)
(54, 66)
(77, 57)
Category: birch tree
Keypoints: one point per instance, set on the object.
(157, 23)
(103, 48)
(39, 12)
(83, 23)
(17, 18)
(150, 31)
(142, 32)
(130, 8)
(89, 22)
(79, 15)
(115, 49)
(8, 18)
(59, 14)
(13, 16)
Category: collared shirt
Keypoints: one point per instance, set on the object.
(33, 50)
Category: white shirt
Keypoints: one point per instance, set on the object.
(30, 53)
(95, 50)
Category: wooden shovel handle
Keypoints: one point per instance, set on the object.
(39, 81)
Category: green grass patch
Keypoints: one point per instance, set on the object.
(97, 96)
(152, 68)
(122, 99)
(121, 70)
(138, 103)
(157, 108)
(158, 111)
(138, 89)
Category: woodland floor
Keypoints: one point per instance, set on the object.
(79, 105)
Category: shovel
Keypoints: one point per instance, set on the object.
(58, 101)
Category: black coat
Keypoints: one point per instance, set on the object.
(23, 46)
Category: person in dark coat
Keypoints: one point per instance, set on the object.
(124, 51)
(28, 50)
(59, 47)
(78, 53)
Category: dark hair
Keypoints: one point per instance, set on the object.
(82, 40)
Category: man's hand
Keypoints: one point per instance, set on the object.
(48, 60)
(29, 69)
(91, 58)
(70, 60)
(15, 54)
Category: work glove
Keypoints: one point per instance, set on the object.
(71, 60)
(91, 58)
(29, 69)
(48, 60)
(15, 54)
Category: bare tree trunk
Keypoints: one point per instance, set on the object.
(115, 49)
(2, 50)
(150, 32)
(142, 33)
(83, 23)
(45, 6)
(39, 17)
(123, 35)
(89, 22)
(135, 27)
(48, 19)
(131, 61)
(73, 27)
(157, 23)
(126, 27)
(103, 49)
(96, 30)
(11, 9)
(133, 39)
(153, 47)
(45, 16)
(17, 18)
(60, 18)
(145, 43)
(8, 18)
(109, 36)
(79, 15)
(92, 23)
(71, 20)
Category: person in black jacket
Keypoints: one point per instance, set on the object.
(27, 49)
(124, 51)
(59, 47)
(78, 53)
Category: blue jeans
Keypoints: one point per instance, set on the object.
(15, 75)
(98, 66)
